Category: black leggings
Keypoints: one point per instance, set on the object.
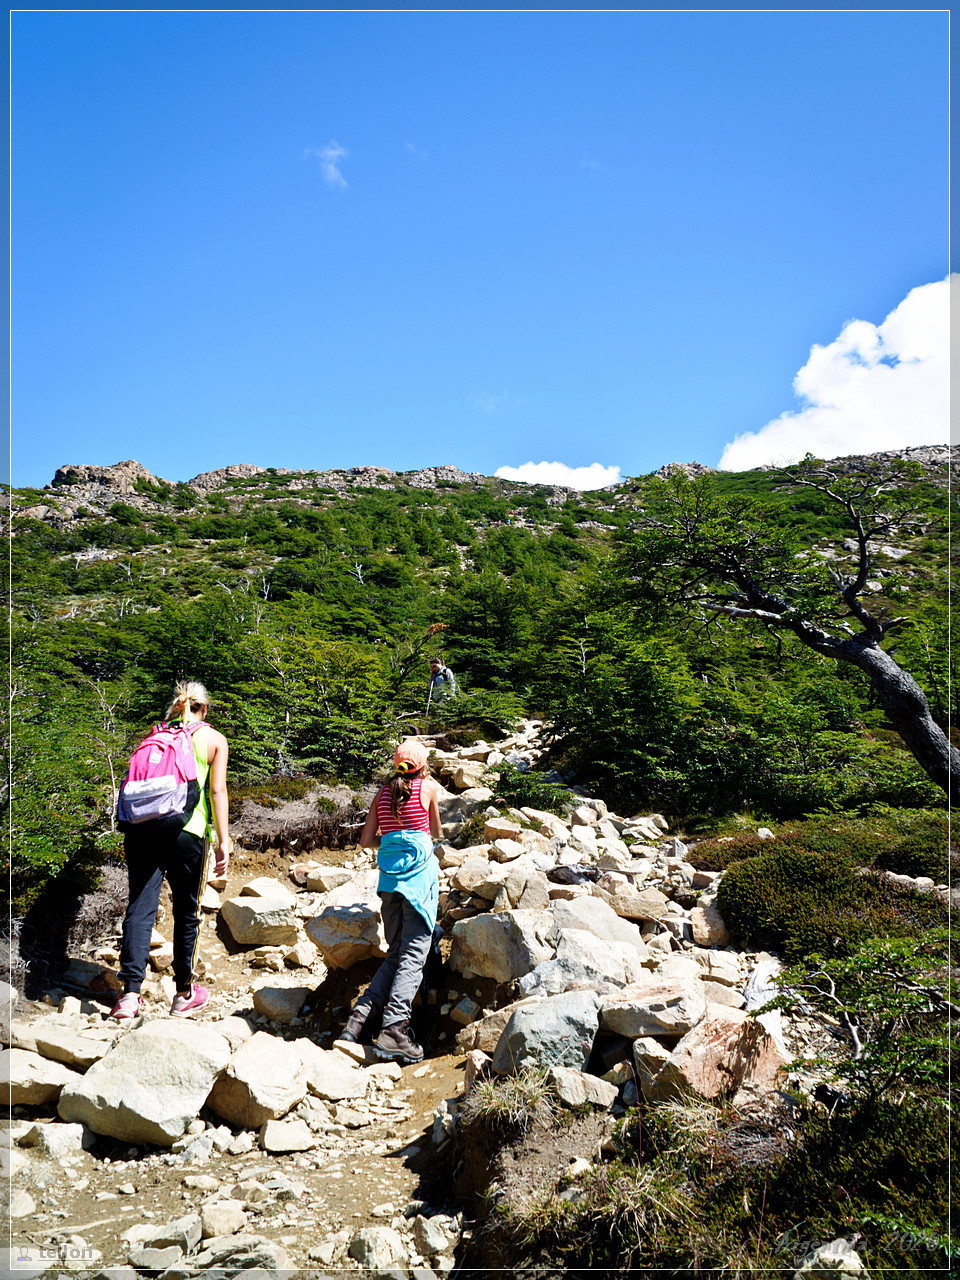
(150, 857)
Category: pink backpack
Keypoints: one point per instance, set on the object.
(161, 783)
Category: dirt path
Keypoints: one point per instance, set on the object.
(374, 1163)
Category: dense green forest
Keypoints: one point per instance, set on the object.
(309, 605)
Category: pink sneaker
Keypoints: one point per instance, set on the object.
(127, 1007)
(184, 1005)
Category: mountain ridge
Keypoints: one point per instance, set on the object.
(123, 476)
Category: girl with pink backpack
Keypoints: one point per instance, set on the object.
(172, 799)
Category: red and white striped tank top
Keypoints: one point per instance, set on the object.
(413, 816)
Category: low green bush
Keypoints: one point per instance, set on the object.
(802, 902)
(921, 848)
(528, 788)
(720, 853)
(909, 841)
(277, 791)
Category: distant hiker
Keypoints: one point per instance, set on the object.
(174, 846)
(443, 683)
(405, 811)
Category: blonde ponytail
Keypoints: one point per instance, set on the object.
(184, 693)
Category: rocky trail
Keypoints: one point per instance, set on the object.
(248, 1141)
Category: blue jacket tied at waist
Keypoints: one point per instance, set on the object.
(407, 866)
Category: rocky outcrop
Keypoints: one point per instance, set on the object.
(431, 477)
(121, 477)
(206, 481)
(690, 469)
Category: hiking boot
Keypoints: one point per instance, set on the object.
(396, 1044)
(127, 1007)
(353, 1027)
(183, 1006)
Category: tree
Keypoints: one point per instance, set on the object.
(735, 557)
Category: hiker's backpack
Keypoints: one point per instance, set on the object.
(161, 785)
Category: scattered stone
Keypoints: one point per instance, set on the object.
(323, 879)
(268, 887)
(654, 1008)
(301, 956)
(618, 962)
(154, 1260)
(348, 929)
(222, 1218)
(263, 1081)
(555, 1030)
(22, 1204)
(256, 921)
(725, 1052)
(596, 917)
(29, 1080)
(500, 829)
(576, 1088)
(183, 1233)
(328, 1076)
(280, 1004)
(209, 899)
(433, 1236)
(377, 1247)
(708, 927)
(91, 976)
(58, 1140)
(502, 946)
(61, 1044)
(465, 1012)
(835, 1261)
(161, 957)
(286, 1135)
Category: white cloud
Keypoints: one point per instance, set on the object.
(417, 151)
(330, 157)
(495, 401)
(874, 387)
(595, 476)
(489, 402)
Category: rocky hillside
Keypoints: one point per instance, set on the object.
(80, 489)
(580, 944)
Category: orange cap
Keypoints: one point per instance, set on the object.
(410, 756)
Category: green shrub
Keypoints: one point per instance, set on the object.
(889, 999)
(802, 902)
(527, 787)
(277, 791)
(921, 847)
(718, 854)
(471, 832)
(908, 841)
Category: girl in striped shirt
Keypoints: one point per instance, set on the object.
(406, 814)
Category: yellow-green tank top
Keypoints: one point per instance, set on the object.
(200, 823)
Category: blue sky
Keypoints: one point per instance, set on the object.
(330, 239)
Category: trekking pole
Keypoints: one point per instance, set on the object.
(429, 696)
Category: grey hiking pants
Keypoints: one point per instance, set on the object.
(397, 980)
